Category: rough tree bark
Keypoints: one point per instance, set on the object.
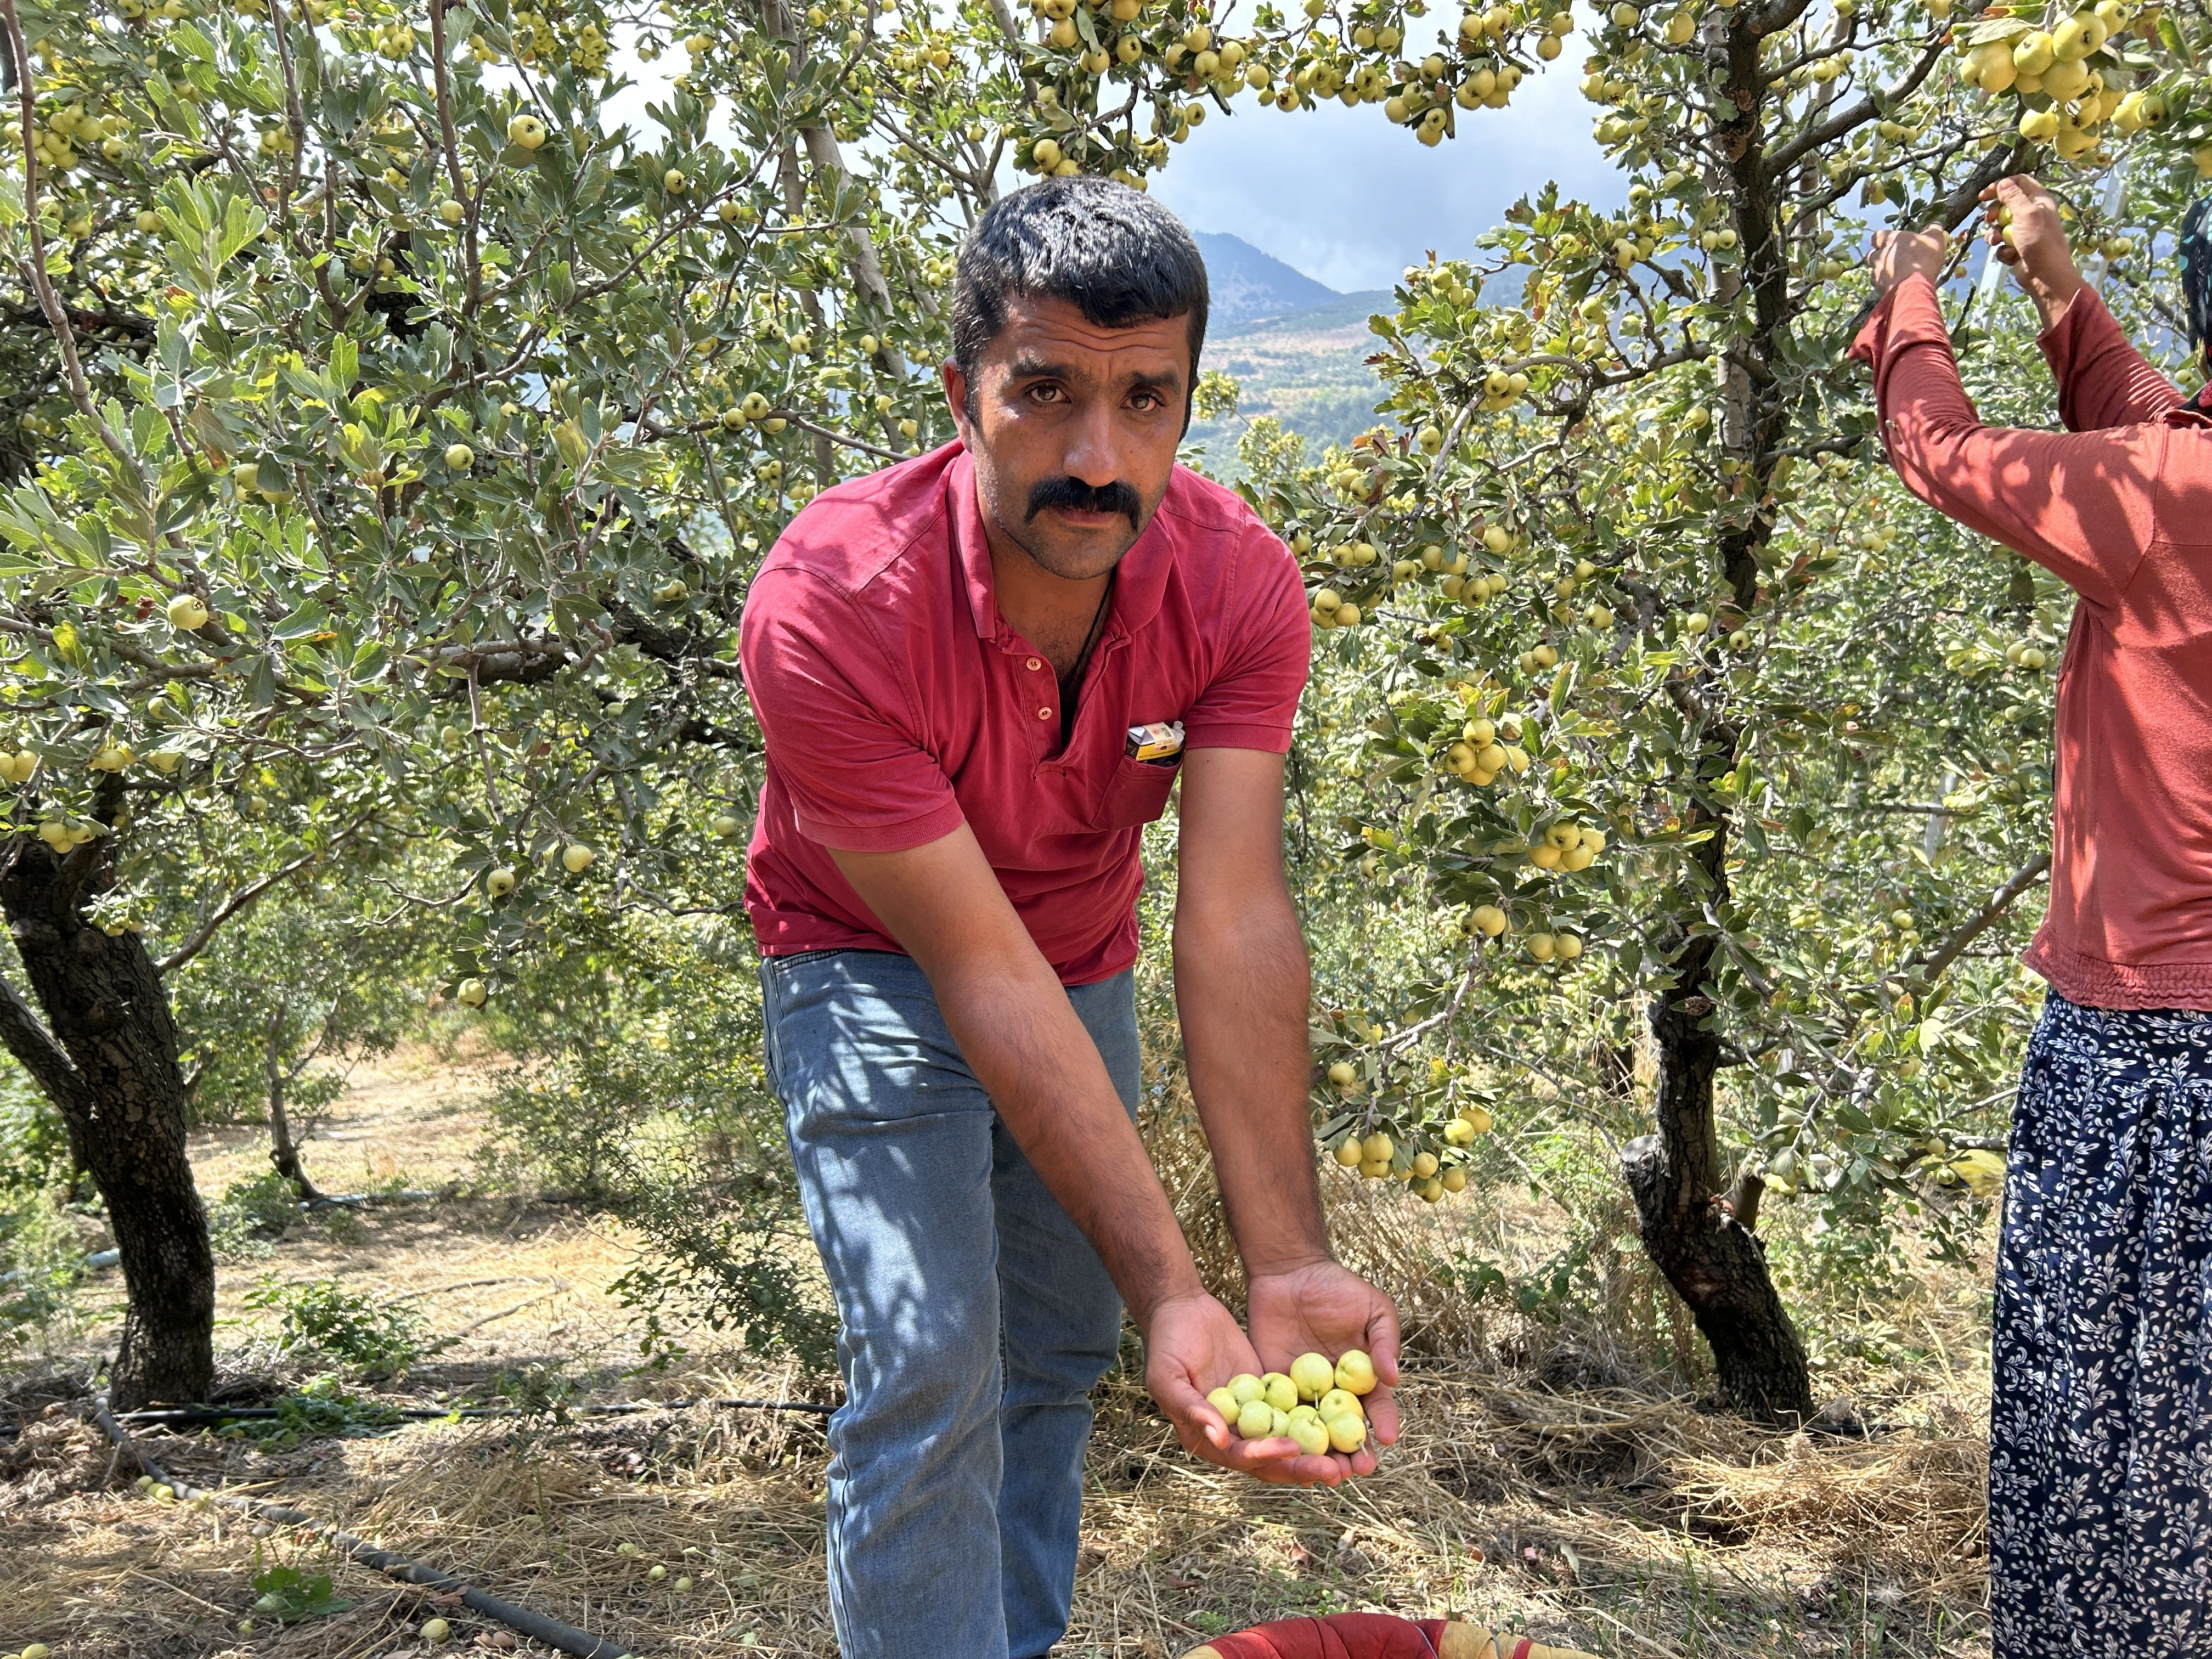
(1698, 1231)
(106, 1056)
(283, 1150)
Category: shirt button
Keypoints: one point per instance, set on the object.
(1036, 663)
(1045, 713)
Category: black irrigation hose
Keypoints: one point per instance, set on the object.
(184, 1416)
(566, 1638)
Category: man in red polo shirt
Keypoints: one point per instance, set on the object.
(979, 674)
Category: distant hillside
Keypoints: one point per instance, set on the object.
(1248, 285)
(1307, 369)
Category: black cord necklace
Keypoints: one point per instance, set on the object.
(1071, 683)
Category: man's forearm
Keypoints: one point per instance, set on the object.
(1029, 1050)
(1241, 989)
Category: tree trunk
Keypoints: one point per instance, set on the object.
(106, 1056)
(283, 1150)
(1696, 1231)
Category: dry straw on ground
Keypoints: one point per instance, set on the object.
(1550, 1480)
(1618, 1522)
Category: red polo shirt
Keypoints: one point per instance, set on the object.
(897, 704)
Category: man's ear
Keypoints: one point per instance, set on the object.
(959, 396)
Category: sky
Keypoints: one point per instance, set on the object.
(1340, 194)
(1351, 200)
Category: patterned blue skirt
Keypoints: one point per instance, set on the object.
(2100, 1416)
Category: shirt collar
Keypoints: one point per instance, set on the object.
(1139, 588)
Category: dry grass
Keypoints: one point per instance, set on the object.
(1560, 1482)
(1614, 1522)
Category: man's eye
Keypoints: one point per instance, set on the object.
(1148, 401)
(1044, 394)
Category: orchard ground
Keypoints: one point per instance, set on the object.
(1549, 1485)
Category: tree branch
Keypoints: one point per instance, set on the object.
(80, 390)
(36, 1049)
(2001, 901)
(245, 897)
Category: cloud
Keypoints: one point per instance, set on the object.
(1352, 201)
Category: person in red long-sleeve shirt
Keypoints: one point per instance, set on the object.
(2100, 1419)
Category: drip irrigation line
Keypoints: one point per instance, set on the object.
(566, 1637)
(180, 1416)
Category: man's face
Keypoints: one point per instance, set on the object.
(1074, 430)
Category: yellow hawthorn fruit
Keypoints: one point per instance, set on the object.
(1311, 1434)
(148, 221)
(1347, 616)
(1343, 1073)
(656, 1572)
(1454, 1180)
(452, 211)
(1348, 1433)
(1375, 1169)
(2033, 54)
(187, 614)
(525, 132)
(673, 181)
(1542, 946)
(1313, 1375)
(1458, 1132)
(471, 994)
(1379, 1148)
(1347, 1153)
(1337, 1403)
(1567, 947)
(1424, 1165)
(1477, 1118)
(459, 458)
(435, 1631)
(500, 883)
(1245, 1388)
(1497, 539)
(576, 858)
(1489, 919)
(1279, 1391)
(1257, 1420)
(728, 825)
(1226, 1403)
(1355, 1372)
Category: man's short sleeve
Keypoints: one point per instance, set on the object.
(1252, 701)
(838, 720)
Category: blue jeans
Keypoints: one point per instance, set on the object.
(973, 1316)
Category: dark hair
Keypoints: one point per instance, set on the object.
(1112, 252)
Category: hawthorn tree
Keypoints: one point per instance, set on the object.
(398, 432)
(1663, 664)
(391, 432)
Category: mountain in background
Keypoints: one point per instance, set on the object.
(1248, 286)
(1297, 348)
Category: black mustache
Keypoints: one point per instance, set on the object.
(1078, 497)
